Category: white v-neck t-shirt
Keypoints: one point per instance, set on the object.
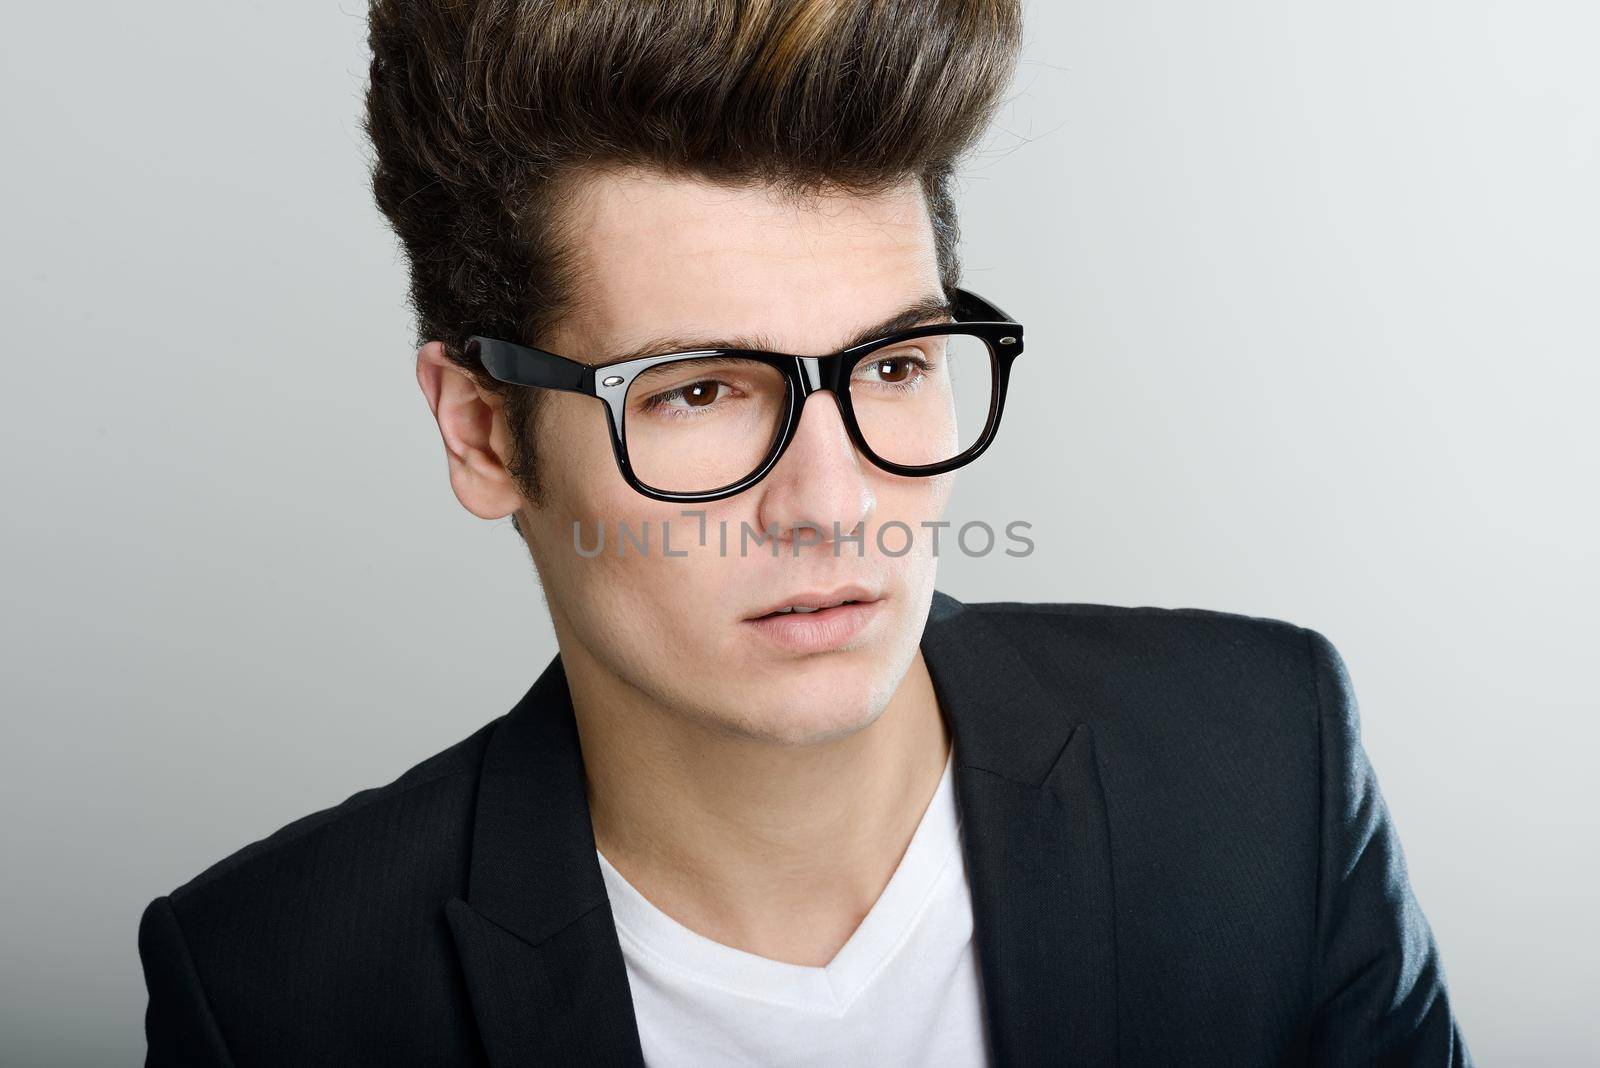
(904, 990)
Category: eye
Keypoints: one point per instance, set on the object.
(693, 400)
(901, 370)
(699, 394)
(895, 369)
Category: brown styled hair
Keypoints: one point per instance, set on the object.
(486, 114)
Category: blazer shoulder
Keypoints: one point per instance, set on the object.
(327, 934)
(1140, 626)
(438, 788)
(1194, 667)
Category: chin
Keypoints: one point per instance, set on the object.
(808, 725)
(818, 701)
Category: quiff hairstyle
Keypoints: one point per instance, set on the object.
(485, 116)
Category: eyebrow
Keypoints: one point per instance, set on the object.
(917, 313)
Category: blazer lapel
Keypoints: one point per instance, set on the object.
(1036, 842)
(535, 934)
(538, 943)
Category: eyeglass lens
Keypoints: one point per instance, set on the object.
(693, 426)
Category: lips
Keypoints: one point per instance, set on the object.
(849, 624)
(808, 602)
(806, 609)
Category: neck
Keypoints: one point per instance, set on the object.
(776, 850)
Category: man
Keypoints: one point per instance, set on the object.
(778, 800)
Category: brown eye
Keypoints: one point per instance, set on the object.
(699, 394)
(702, 394)
(898, 375)
(894, 370)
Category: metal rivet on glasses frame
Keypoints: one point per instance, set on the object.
(1008, 341)
(614, 380)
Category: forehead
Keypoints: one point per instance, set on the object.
(671, 256)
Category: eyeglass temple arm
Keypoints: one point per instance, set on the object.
(526, 366)
(975, 308)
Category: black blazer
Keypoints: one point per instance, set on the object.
(1177, 850)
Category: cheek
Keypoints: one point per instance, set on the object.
(913, 500)
(598, 543)
(573, 445)
(578, 468)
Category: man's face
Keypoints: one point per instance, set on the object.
(678, 257)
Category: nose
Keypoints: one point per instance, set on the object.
(820, 481)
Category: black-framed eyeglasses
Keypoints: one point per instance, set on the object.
(709, 423)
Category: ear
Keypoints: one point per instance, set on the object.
(476, 439)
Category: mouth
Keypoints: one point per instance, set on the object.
(806, 610)
(818, 623)
(819, 603)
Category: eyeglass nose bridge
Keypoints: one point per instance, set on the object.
(813, 375)
(810, 374)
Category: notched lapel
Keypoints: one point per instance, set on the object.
(555, 1003)
(1037, 846)
(535, 934)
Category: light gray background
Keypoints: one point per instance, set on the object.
(1310, 294)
